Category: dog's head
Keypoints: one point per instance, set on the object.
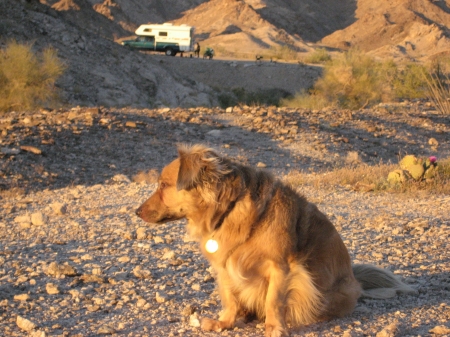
(185, 186)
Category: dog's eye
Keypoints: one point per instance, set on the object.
(162, 185)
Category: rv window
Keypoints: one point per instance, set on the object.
(162, 33)
(147, 30)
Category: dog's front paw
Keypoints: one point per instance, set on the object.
(209, 324)
(276, 331)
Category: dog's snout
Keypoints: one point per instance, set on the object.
(139, 211)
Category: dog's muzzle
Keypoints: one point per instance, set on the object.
(139, 212)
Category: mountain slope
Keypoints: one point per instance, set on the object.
(99, 71)
(402, 28)
(236, 26)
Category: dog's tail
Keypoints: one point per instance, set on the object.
(379, 283)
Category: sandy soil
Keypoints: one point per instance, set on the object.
(76, 261)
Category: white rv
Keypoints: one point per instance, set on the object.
(167, 38)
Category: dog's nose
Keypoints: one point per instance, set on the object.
(139, 212)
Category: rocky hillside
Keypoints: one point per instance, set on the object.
(414, 29)
(99, 71)
(102, 72)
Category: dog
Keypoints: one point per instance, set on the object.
(275, 254)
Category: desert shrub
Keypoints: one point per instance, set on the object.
(285, 52)
(410, 82)
(27, 80)
(261, 97)
(308, 99)
(438, 85)
(319, 55)
(354, 80)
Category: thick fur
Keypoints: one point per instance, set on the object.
(279, 257)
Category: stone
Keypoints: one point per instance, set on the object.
(31, 149)
(26, 218)
(141, 273)
(124, 259)
(106, 330)
(433, 142)
(37, 333)
(38, 219)
(55, 269)
(22, 297)
(141, 233)
(169, 255)
(160, 297)
(440, 330)
(25, 324)
(52, 289)
(90, 278)
(194, 321)
(261, 165)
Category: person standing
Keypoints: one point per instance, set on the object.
(197, 49)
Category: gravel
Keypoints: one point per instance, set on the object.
(76, 261)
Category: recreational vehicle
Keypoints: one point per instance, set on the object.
(165, 38)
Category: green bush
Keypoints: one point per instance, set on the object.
(319, 55)
(354, 80)
(261, 97)
(410, 82)
(27, 80)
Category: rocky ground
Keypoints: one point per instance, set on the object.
(76, 261)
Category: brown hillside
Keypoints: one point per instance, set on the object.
(413, 29)
(236, 26)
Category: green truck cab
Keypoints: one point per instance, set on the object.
(148, 43)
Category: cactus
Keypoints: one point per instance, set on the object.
(396, 177)
(416, 171)
(413, 168)
(408, 161)
(430, 172)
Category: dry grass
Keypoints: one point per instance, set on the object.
(27, 80)
(319, 55)
(373, 179)
(12, 193)
(438, 82)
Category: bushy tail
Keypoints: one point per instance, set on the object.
(379, 283)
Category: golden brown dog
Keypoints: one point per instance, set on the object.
(276, 255)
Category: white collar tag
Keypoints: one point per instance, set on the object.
(211, 246)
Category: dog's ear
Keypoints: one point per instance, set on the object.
(199, 166)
